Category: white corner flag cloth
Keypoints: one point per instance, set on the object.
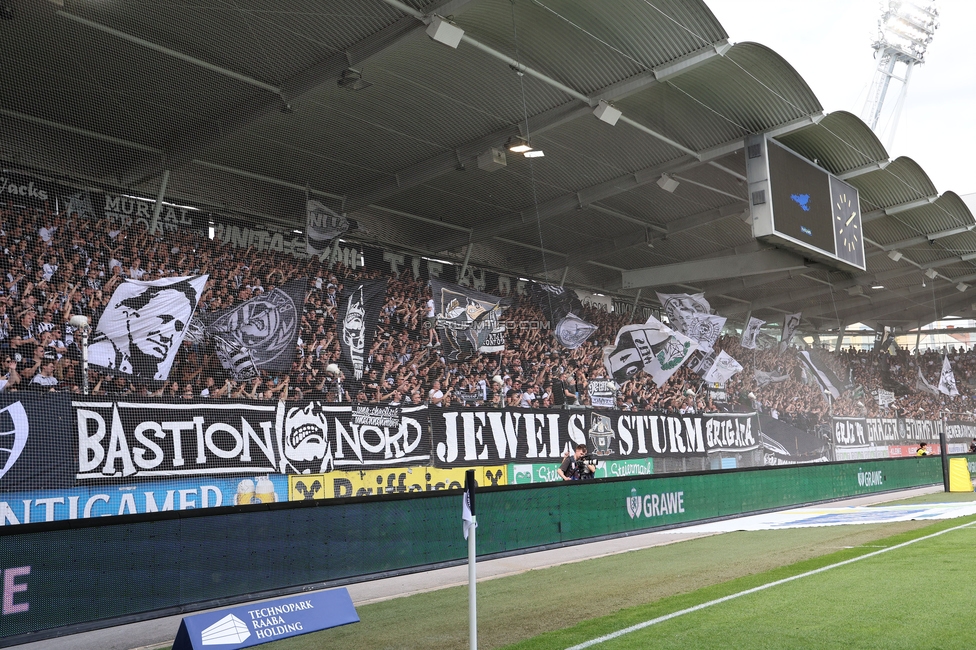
(467, 519)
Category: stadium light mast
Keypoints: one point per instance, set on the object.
(905, 30)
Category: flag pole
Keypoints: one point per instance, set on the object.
(471, 527)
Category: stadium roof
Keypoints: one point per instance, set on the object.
(351, 100)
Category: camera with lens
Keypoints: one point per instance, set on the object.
(581, 470)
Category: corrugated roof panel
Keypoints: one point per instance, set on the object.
(840, 142)
(260, 38)
(900, 182)
(587, 46)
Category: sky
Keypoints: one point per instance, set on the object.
(829, 45)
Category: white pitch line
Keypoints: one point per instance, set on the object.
(668, 617)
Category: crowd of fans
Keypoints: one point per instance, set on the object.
(54, 267)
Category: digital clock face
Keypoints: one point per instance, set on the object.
(848, 235)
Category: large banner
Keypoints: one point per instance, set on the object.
(144, 324)
(125, 211)
(126, 440)
(470, 321)
(784, 444)
(885, 432)
(260, 333)
(359, 310)
(493, 437)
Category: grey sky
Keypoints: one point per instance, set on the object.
(829, 45)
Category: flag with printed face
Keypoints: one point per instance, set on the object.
(751, 333)
(652, 347)
(679, 307)
(947, 381)
(722, 369)
(790, 325)
(144, 324)
(259, 333)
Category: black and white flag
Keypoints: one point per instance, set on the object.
(722, 369)
(561, 306)
(652, 347)
(572, 331)
(260, 333)
(359, 311)
(323, 225)
(469, 320)
(824, 375)
(751, 333)
(790, 325)
(679, 307)
(144, 324)
(947, 381)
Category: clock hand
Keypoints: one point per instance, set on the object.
(850, 219)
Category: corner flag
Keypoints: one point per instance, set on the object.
(467, 507)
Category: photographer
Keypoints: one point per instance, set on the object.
(577, 466)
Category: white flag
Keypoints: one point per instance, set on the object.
(704, 329)
(947, 381)
(467, 519)
(652, 347)
(751, 333)
(923, 385)
(722, 369)
(681, 307)
(144, 324)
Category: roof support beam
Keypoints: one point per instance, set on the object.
(613, 187)
(768, 261)
(867, 217)
(864, 169)
(581, 106)
(928, 237)
(201, 137)
(644, 238)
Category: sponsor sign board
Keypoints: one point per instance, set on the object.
(522, 474)
(139, 498)
(257, 623)
(336, 485)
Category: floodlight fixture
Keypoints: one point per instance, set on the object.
(961, 287)
(856, 290)
(534, 153)
(444, 32)
(518, 145)
(667, 183)
(607, 113)
(492, 159)
(353, 80)
(895, 255)
(931, 274)
(877, 286)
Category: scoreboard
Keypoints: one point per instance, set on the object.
(800, 206)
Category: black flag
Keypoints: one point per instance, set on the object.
(259, 333)
(359, 311)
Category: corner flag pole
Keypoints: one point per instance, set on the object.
(470, 523)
